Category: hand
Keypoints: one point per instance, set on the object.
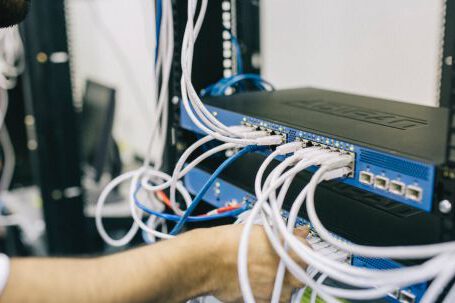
(262, 265)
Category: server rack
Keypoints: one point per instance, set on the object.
(53, 137)
(446, 174)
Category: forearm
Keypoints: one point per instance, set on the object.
(170, 271)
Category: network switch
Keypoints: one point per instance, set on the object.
(396, 152)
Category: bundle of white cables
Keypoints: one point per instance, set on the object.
(159, 124)
(149, 177)
(12, 63)
(365, 284)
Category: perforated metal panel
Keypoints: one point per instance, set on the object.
(402, 166)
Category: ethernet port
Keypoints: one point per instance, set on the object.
(308, 143)
(366, 178)
(407, 297)
(395, 294)
(397, 187)
(381, 182)
(414, 193)
(305, 143)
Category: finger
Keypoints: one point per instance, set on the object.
(299, 260)
(302, 231)
(293, 282)
(286, 295)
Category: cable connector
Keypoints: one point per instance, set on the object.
(255, 134)
(307, 152)
(304, 153)
(241, 129)
(326, 157)
(337, 173)
(288, 148)
(340, 161)
(270, 140)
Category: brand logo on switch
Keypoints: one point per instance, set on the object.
(360, 114)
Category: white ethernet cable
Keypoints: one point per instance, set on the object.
(12, 59)
(362, 294)
(137, 216)
(183, 158)
(9, 160)
(450, 296)
(3, 104)
(187, 53)
(162, 181)
(172, 180)
(317, 157)
(303, 154)
(339, 173)
(154, 222)
(159, 125)
(188, 91)
(179, 173)
(134, 175)
(243, 246)
(12, 63)
(438, 284)
(402, 271)
(292, 215)
(398, 252)
(165, 53)
(205, 120)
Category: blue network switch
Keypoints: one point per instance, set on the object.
(394, 177)
(220, 193)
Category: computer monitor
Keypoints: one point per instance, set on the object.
(99, 150)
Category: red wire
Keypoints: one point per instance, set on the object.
(165, 199)
(227, 208)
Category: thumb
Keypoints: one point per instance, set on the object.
(302, 231)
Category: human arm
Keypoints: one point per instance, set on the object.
(196, 263)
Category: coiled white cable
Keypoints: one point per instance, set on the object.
(12, 59)
(12, 64)
(205, 120)
(398, 252)
(406, 276)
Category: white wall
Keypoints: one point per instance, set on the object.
(111, 42)
(384, 48)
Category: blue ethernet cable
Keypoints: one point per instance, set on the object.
(159, 12)
(219, 88)
(177, 218)
(238, 54)
(222, 86)
(208, 184)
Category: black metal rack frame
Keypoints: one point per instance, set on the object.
(52, 127)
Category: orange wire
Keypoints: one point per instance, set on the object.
(165, 199)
